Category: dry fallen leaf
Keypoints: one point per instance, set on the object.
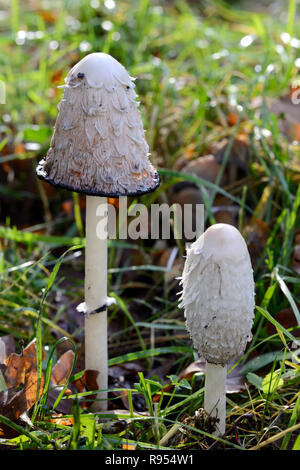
(238, 159)
(20, 365)
(206, 167)
(88, 383)
(24, 399)
(59, 375)
(23, 384)
(62, 368)
(287, 319)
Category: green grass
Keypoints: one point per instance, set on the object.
(192, 70)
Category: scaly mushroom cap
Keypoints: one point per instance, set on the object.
(98, 146)
(218, 294)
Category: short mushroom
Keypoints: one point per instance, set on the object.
(218, 299)
(98, 148)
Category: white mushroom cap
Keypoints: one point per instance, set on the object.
(100, 69)
(218, 294)
(98, 146)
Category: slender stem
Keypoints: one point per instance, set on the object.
(96, 293)
(215, 395)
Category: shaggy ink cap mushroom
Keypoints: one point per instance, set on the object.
(98, 146)
(218, 294)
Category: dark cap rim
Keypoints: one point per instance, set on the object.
(42, 175)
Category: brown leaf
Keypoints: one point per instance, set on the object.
(15, 371)
(193, 368)
(287, 319)
(206, 167)
(65, 405)
(18, 365)
(59, 377)
(24, 399)
(90, 379)
(239, 152)
(87, 382)
(20, 370)
(62, 368)
(187, 195)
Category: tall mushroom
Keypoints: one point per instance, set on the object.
(218, 299)
(98, 148)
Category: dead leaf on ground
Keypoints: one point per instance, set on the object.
(238, 159)
(20, 365)
(188, 155)
(206, 167)
(24, 399)
(87, 383)
(287, 319)
(63, 367)
(65, 405)
(59, 377)
(23, 384)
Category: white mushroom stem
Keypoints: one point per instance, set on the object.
(215, 395)
(96, 294)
